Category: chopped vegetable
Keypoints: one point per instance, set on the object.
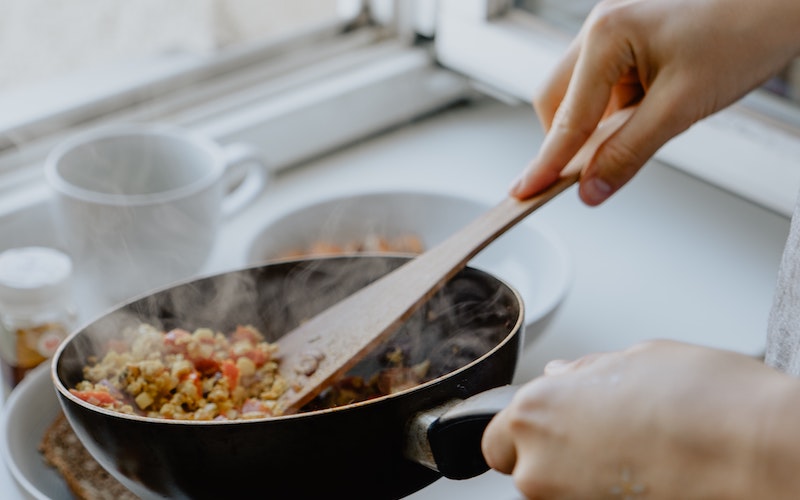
(200, 375)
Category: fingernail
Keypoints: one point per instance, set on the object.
(595, 190)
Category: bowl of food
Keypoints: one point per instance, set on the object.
(531, 257)
(174, 392)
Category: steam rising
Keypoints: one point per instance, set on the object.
(470, 317)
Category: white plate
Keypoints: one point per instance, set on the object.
(529, 257)
(31, 407)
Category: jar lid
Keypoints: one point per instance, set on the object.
(33, 274)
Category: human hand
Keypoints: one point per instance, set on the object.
(681, 59)
(661, 420)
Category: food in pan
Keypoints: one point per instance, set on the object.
(205, 375)
(402, 243)
(200, 375)
(391, 379)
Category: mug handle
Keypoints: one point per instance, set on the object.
(253, 181)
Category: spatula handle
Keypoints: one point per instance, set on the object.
(341, 336)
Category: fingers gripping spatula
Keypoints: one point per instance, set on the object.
(326, 346)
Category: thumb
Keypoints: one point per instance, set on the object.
(656, 120)
(545, 174)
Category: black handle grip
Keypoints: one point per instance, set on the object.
(455, 437)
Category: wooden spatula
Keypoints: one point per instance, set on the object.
(329, 344)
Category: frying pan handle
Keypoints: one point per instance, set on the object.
(453, 432)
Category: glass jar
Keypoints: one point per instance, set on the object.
(36, 311)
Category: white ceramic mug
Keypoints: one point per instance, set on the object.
(139, 206)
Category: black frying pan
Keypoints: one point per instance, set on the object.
(386, 447)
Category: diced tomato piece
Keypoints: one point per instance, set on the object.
(172, 336)
(231, 372)
(95, 397)
(246, 333)
(205, 365)
(257, 356)
(175, 340)
(194, 377)
(253, 405)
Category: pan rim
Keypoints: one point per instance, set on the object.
(517, 329)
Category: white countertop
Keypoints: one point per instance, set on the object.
(668, 257)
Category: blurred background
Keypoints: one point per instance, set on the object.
(41, 39)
